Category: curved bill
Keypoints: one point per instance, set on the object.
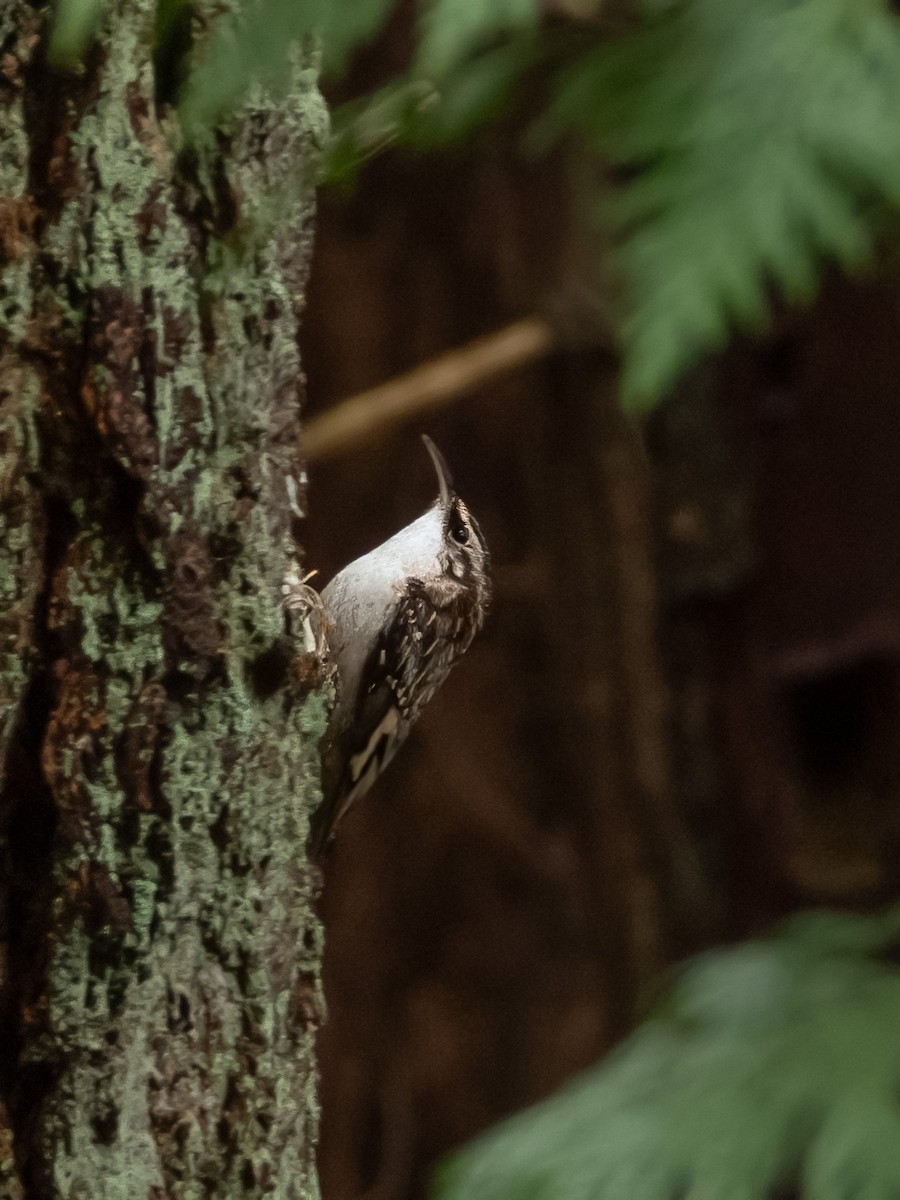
(445, 479)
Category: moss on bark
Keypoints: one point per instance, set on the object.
(161, 982)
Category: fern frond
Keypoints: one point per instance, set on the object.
(772, 1065)
(756, 138)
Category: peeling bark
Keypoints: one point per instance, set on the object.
(159, 956)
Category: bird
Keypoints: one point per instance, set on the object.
(396, 620)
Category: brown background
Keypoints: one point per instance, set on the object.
(681, 721)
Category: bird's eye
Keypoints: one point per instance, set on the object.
(459, 533)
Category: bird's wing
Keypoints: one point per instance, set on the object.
(398, 678)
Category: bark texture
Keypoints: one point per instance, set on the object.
(159, 977)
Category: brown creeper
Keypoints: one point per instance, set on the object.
(397, 620)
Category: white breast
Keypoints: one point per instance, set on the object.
(361, 598)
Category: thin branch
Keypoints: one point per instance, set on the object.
(356, 420)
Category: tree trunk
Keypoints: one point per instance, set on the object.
(159, 955)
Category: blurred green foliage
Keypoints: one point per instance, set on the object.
(75, 24)
(739, 146)
(769, 1069)
(452, 31)
(253, 48)
(754, 139)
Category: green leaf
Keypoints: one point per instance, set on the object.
(474, 92)
(771, 1065)
(250, 48)
(74, 25)
(255, 49)
(418, 112)
(363, 128)
(349, 25)
(451, 30)
(755, 138)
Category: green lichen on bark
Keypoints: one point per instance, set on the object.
(171, 1029)
(21, 514)
(20, 533)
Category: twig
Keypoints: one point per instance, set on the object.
(436, 383)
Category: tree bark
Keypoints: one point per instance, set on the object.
(159, 954)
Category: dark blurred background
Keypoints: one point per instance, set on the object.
(682, 719)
